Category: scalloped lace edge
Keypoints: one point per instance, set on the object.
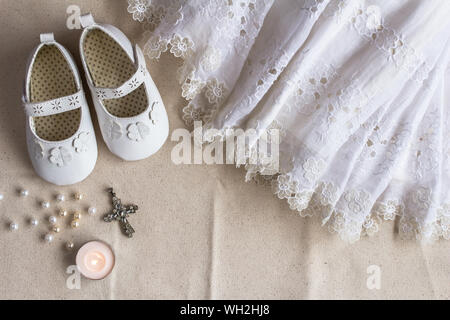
(307, 202)
(320, 202)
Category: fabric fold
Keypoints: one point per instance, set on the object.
(358, 91)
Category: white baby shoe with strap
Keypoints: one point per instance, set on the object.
(60, 135)
(130, 111)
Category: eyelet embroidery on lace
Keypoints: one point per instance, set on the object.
(312, 87)
(217, 9)
(215, 91)
(393, 147)
(284, 187)
(356, 201)
(328, 194)
(152, 21)
(389, 209)
(427, 146)
(151, 16)
(370, 225)
(191, 87)
(155, 46)
(273, 67)
(300, 201)
(368, 22)
(325, 195)
(313, 168)
(139, 9)
(181, 47)
(313, 6)
(211, 59)
(322, 200)
(192, 114)
(242, 21)
(421, 197)
(313, 95)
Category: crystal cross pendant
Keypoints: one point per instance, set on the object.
(120, 213)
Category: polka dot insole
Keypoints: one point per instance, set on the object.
(110, 67)
(51, 78)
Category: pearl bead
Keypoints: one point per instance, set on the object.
(24, 193)
(45, 204)
(92, 210)
(69, 245)
(60, 198)
(49, 237)
(13, 226)
(34, 222)
(1, 196)
(78, 196)
(75, 223)
(62, 213)
(52, 219)
(56, 229)
(77, 216)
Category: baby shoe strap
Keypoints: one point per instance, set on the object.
(59, 105)
(130, 85)
(47, 37)
(87, 20)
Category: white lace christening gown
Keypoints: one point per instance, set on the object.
(360, 91)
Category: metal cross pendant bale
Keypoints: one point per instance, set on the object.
(120, 213)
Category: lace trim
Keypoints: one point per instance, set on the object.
(321, 202)
(340, 210)
(152, 16)
(368, 22)
(212, 91)
(349, 213)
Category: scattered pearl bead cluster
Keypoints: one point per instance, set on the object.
(53, 220)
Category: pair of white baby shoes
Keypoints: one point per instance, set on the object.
(60, 135)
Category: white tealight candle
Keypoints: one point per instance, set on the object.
(95, 260)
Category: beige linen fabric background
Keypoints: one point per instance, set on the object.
(202, 232)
